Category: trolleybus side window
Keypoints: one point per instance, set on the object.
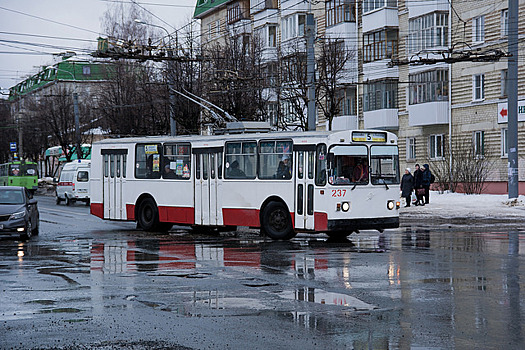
(147, 161)
(106, 165)
(177, 161)
(320, 166)
(384, 164)
(275, 159)
(219, 165)
(348, 165)
(241, 160)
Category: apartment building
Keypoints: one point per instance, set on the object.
(439, 110)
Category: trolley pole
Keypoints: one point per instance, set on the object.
(512, 88)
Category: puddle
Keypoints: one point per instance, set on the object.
(41, 302)
(60, 310)
(323, 297)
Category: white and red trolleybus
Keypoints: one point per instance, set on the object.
(283, 183)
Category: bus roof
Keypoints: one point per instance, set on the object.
(296, 135)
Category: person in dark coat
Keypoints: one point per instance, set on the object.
(418, 184)
(407, 186)
(427, 180)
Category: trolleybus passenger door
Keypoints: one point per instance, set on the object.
(304, 187)
(207, 210)
(114, 173)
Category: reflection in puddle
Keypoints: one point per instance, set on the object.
(320, 296)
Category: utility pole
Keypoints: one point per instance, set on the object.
(77, 125)
(310, 70)
(512, 88)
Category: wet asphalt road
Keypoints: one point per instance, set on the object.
(90, 284)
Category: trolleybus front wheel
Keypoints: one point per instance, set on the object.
(148, 217)
(276, 221)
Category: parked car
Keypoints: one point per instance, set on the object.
(18, 212)
(73, 184)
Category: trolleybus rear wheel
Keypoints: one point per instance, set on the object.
(276, 221)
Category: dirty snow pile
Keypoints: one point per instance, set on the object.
(475, 205)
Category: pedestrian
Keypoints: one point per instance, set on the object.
(418, 185)
(407, 186)
(427, 180)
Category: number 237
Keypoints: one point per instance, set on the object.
(338, 193)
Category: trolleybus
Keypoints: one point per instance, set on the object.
(283, 183)
(19, 173)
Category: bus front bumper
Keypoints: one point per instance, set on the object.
(363, 224)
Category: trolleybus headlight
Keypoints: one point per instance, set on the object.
(391, 205)
(345, 206)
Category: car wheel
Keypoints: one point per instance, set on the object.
(68, 201)
(27, 232)
(58, 200)
(276, 222)
(148, 215)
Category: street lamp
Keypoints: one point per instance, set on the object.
(173, 122)
(75, 110)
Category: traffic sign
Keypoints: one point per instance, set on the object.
(12, 146)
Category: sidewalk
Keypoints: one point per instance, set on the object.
(459, 208)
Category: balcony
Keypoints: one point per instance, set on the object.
(384, 119)
(430, 113)
(345, 122)
(384, 17)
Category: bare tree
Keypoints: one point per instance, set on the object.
(134, 101)
(331, 63)
(53, 115)
(463, 169)
(234, 77)
(8, 132)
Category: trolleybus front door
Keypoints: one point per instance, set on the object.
(208, 188)
(304, 187)
(114, 173)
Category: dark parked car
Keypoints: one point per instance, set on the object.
(18, 212)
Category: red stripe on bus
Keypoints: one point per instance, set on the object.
(241, 217)
(179, 215)
(130, 211)
(97, 209)
(321, 221)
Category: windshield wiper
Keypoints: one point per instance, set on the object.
(382, 178)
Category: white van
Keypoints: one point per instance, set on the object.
(73, 184)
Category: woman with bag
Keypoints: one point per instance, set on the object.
(418, 185)
(407, 186)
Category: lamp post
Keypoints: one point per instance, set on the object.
(173, 122)
(75, 110)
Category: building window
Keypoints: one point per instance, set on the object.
(210, 32)
(504, 77)
(272, 36)
(435, 146)
(478, 87)
(218, 28)
(428, 31)
(380, 45)
(380, 95)
(339, 11)
(411, 148)
(505, 23)
(86, 70)
(479, 143)
(371, 5)
(293, 26)
(478, 29)
(504, 143)
(429, 86)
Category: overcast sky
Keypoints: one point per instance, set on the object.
(32, 30)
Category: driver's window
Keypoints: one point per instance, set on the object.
(348, 165)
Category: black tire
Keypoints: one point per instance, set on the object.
(58, 200)
(276, 222)
(68, 201)
(27, 232)
(148, 215)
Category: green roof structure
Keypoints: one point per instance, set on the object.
(204, 6)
